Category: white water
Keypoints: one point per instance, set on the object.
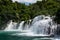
(11, 26)
(21, 26)
(40, 25)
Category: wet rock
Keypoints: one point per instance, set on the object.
(58, 29)
(52, 35)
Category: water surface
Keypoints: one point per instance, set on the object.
(7, 35)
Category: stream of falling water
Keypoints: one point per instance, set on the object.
(39, 26)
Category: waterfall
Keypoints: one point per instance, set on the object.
(11, 26)
(39, 25)
(21, 26)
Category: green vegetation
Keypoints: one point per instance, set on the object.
(19, 12)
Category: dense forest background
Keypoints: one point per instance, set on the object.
(19, 12)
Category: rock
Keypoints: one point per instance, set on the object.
(58, 29)
(52, 35)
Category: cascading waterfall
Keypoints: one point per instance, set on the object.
(40, 25)
(21, 26)
(11, 26)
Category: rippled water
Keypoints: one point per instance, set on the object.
(8, 36)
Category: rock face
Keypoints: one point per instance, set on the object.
(49, 29)
(58, 29)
